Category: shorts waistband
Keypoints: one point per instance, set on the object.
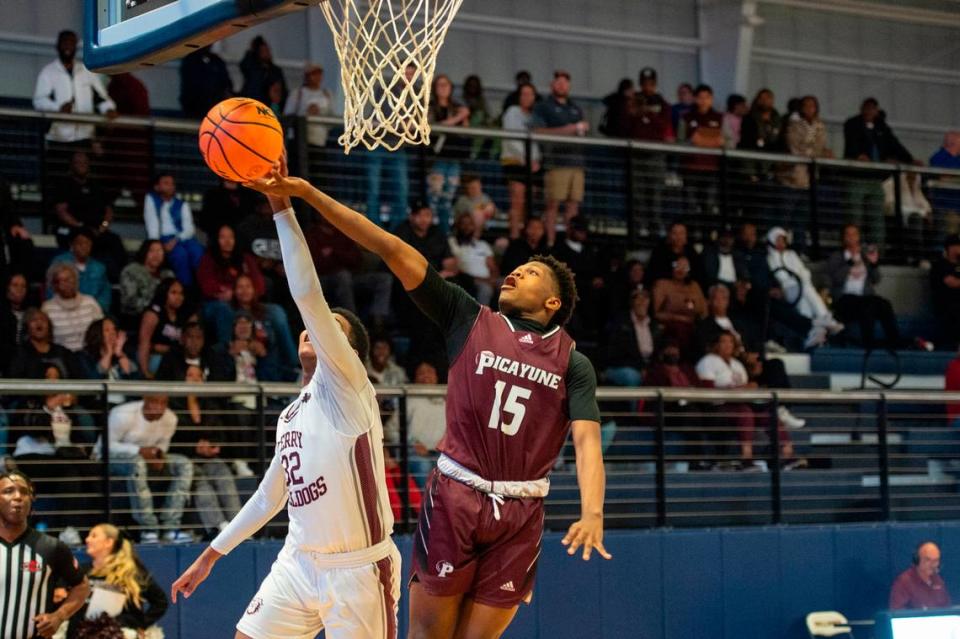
(352, 559)
(537, 488)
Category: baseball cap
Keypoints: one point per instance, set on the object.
(648, 73)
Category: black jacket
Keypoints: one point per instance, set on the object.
(711, 265)
(859, 139)
(659, 267)
(621, 347)
(153, 604)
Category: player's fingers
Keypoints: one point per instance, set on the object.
(571, 534)
(603, 551)
(587, 548)
(575, 543)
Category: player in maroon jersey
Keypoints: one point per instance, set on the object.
(516, 386)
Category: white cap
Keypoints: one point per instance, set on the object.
(776, 232)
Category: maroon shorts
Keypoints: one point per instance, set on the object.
(461, 548)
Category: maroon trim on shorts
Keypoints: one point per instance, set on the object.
(363, 458)
(385, 569)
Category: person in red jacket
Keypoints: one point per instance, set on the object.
(222, 264)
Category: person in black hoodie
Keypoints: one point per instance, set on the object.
(868, 138)
(614, 119)
(38, 350)
(260, 72)
(115, 567)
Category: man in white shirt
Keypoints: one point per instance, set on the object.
(339, 568)
(70, 311)
(311, 99)
(426, 424)
(140, 434)
(474, 256)
(65, 85)
(168, 218)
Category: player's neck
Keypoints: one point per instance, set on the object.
(530, 322)
(10, 532)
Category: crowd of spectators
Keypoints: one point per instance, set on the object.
(206, 299)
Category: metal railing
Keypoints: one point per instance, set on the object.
(633, 189)
(673, 457)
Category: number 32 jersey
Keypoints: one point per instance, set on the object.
(507, 415)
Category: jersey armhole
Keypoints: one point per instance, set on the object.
(476, 320)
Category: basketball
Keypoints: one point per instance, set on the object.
(240, 139)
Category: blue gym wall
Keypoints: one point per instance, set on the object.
(746, 583)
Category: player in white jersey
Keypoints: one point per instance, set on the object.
(339, 569)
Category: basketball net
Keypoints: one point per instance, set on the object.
(388, 54)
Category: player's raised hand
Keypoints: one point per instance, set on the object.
(278, 183)
(193, 576)
(586, 532)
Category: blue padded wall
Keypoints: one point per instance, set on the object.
(736, 583)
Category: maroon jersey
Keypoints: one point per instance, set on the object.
(507, 414)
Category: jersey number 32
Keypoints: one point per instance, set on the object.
(512, 406)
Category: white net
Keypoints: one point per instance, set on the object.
(388, 55)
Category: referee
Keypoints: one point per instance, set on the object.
(31, 563)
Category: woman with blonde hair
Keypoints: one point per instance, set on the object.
(116, 569)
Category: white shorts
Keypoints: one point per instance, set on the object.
(299, 598)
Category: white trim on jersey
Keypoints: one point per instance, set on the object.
(553, 331)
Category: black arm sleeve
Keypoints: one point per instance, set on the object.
(156, 602)
(582, 389)
(449, 307)
(66, 569)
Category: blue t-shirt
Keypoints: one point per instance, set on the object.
(550, 114)
(943, 160)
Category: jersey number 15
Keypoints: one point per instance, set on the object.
(512, 406)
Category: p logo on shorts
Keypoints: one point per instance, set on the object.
(444, 568)
(255, 606)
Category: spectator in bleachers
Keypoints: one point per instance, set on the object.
(762, 126)
(523, 248)
(945, 293)
(474, 258)
(480, 115)
(796, 283)
(70, 311)
(868, 138)
(805, 136)
(168, 218)
(557, 114)
(426, 424)
(259, 72)
(660, 265)
(669, 370)
(648, 119)
(631, 338)
(271, 328)
(38, 350)
(683, 104)
(204, 81)
(393, 166)
(310, 99)
(65, 85)
(258, 235)
(103, 355)
(381, 367)
(854, 274)
(702, 127)
(161, 325)
(215, 365)
(513, 155)
(93, 274)
(129, 94)
(722, 264)
(720, 369)
(920, 586)
(583, 258)
(16, 245)
(419, 231)
(275, 98)
(345, 277)
(222, 263)
(115, 567)
(140, 434)
(513, 98)
(225, 203)
(13, 309)
(201, 435)
(737, 109)
(614, 123)
(948, 155)
(80, 203)
(678, 303)
(449, 150)
(139, 281)
(625, 281)
(475, 202)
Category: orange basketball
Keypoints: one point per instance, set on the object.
(240, 139)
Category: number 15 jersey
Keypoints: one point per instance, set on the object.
(507, 415)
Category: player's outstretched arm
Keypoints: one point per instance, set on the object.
(262, 506)
(403, 260)
(588, 531)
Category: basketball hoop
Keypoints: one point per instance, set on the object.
(388, 54)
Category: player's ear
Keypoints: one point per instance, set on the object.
(553, 303)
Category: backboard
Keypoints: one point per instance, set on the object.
(123, 35)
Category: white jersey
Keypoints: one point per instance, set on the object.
(328, 462)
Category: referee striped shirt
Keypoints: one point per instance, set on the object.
(30, 567)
